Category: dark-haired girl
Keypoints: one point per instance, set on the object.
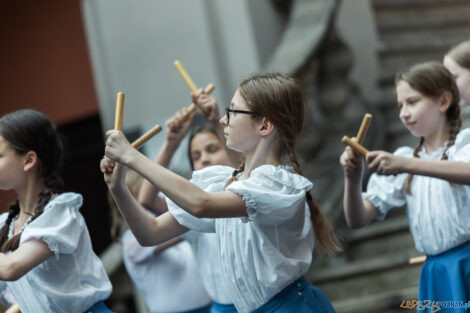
(432, 180)
(46, 254)
(263, 215)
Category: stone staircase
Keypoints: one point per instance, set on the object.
(373, 273)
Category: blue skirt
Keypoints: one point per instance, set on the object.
(223, 308)
(98, 307)
(446, 277)
(298, 297)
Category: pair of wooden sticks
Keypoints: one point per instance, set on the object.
(157, 128)
(356, 143)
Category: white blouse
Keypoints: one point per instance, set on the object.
(438, 211)
(71, 280)
(169, 281)
(206, 253)
(263, 253)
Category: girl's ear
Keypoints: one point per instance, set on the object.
(446, 101)
(266, 127)
(30, 160)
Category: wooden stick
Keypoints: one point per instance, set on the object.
(417, 260)
(191, 108)
(353, 144)
(119, 111)
(363, 129)
(157, 128)
(142, 139)
(15, 308)
(185, 76)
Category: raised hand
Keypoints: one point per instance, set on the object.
(207, 105)
(178, 125)
(117, 147)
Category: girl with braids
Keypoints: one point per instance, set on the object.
(46, 256)
(432, 181)
(457, 61)
(264, 218)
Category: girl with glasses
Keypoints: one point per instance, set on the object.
(262, 213)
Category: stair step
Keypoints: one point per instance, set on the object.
(366, 277)
(391, 64)
(426, 23)
(379, 229)
(418, 4)
(386, 302)
(404, 10)
(355, 269)
(419, 45)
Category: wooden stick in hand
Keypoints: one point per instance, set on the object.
(363, 129)
(187, 79)
(119, 111)
(145, 137)
(192, 107)
(356, 147)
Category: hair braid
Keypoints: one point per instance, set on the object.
(409, 178)
(13, 212)
(234, 175)
(324, 236)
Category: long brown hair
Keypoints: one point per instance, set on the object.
(281, 100)
(432, 79)
(461, 54)
(30, 130)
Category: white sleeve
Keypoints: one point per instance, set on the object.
(271, 194)
(460, 151)
(60, 225)
(210, 179)
(386, 191)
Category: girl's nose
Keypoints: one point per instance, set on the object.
(223, 120)
(404, 113)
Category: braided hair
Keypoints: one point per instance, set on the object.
(432, 79)
(281, 100)
(30, 130)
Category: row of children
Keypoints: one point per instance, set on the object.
(263, 220)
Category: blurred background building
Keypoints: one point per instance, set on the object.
(68, 59)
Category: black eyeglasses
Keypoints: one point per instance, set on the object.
(228, 111)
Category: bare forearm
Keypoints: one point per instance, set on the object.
(354, 209)
(454, 172)
(143, 225)
(7, 269)
(148, 191)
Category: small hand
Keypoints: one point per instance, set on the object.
(117, 147)
(385, 163)
(207, 105)
(178, 125)
(352, 164)
(114, 173)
